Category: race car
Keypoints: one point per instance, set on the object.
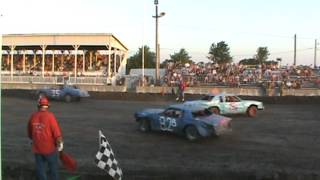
(227, 104)
(66, 93)
(192, 122)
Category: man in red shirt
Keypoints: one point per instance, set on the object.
(45, 133)
(181, 87)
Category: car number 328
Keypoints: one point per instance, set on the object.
(167, 123)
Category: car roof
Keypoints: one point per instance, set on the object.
(187, 107)
(221, 94)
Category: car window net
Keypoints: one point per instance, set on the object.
(207, 98)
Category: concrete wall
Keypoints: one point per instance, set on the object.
(249, 91)
(301, 92)
(243, 91)
(103, 88)
(32, 86)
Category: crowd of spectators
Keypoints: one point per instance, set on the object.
(237, 75)
(62, 63)
(194, 74)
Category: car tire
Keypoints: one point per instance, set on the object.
(144, 125)
(252, 111)
(67, 98)
(215, 110)
(192, 133)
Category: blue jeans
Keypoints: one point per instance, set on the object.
(180, 95)
(52, 160)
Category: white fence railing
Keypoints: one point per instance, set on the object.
(56, 80)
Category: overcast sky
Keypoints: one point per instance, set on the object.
(194, 25)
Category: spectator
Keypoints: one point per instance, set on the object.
(181, 88)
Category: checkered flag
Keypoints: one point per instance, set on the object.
(105, 158)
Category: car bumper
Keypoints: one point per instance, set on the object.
(216, 131)
(84, 94)
(260, 107)
(222, 130)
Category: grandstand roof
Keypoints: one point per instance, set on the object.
(66, 41)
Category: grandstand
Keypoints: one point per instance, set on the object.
(73, 55)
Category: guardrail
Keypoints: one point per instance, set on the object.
(56, 80)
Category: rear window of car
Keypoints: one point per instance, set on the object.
(202, 113)
(207, 98)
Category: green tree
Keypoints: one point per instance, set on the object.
(262, 54)
(165, 63)
(272, 62)
(135, 61)
(250, 61)
(220, 53)
(181, 57)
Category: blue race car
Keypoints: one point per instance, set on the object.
(66, 93)
(191, 122)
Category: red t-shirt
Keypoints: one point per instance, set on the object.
(182, 86)
(44, 130)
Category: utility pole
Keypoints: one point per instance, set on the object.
(142, 65)
(156, 46)
(157, 73)
(0, 92)
(315, 53)
(295, 50)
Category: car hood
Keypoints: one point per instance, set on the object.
(150, 111)
(196, 102)
(153, 110)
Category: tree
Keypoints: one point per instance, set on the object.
(250, 61)
(181, 57)
(272, 62)
(262, 54)
(219, 53)
(135, 61)
(165, 63)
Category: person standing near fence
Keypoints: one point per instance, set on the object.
(181, 88)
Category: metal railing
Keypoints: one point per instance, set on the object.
(56, 80)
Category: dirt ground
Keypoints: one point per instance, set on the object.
(282, 142)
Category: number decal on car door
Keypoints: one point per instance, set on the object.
(56, 93)
(167, 123)
(233, 106)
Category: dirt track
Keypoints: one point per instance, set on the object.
(281, 143)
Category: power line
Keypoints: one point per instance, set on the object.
(241, 32)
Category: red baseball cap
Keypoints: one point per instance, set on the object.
(43, 101)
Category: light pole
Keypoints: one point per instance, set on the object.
(315, 53)
(0, 91)
(157, 46)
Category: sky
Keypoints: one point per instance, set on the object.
(193, 25)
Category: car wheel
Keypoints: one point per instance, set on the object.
(252, 111)
(68, 98)
(192, 133)
(144, 125)
(215, 110)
